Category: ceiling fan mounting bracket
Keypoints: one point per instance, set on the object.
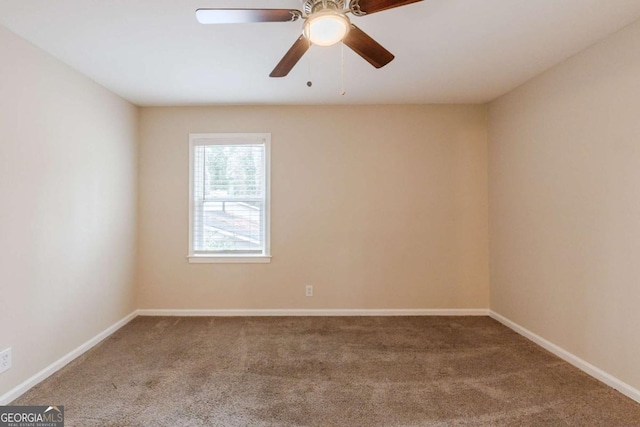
(354, 7)
(295, 15)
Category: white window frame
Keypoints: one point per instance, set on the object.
(229, 139)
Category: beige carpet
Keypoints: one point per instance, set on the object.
(338, 371)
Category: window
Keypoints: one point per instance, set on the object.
(229, 197)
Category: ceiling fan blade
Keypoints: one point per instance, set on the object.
(367, 7)
(291, 58)
(246, 16)
(367, 47)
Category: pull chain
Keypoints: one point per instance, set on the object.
(342, 91)
(309, 83)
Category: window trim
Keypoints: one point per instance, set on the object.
(229, 139)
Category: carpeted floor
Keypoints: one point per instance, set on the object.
(326, 371)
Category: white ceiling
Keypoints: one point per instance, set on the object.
(153, 52)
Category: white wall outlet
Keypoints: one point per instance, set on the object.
(5, 360)
(308, 290)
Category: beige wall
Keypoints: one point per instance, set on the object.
(564, 167)
(67, 221)
(376, 207)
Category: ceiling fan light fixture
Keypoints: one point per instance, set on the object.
(326, 27)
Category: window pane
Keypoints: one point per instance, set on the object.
(232, 226)
(233, 171)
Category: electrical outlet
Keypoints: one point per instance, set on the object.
(308, 290)
(5, 360)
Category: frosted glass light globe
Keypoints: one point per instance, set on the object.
(326, 28)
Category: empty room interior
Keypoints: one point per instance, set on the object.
(320, 212)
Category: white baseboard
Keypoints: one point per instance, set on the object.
(579, 363)
(319, 312)
(19, 390)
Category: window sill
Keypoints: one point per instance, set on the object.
(231, 259)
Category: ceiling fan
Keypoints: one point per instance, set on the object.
(325, 23)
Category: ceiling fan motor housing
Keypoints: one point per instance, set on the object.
(311, 6)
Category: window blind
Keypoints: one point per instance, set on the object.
(229, 194)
